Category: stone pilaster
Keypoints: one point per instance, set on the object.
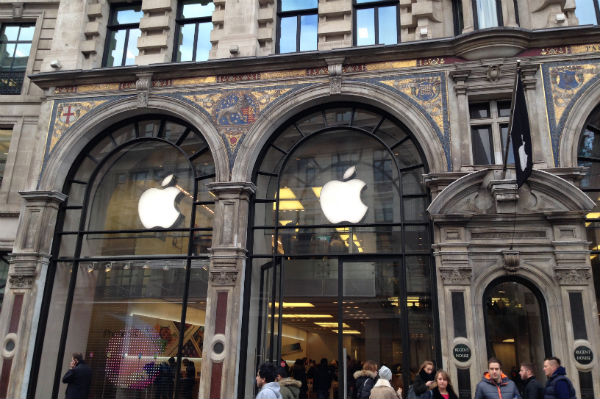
(224, 297)
(235, 29)
(26, 278)
(462, 152)
(156, 40)
(537, 116)
(267, 22)
(335, 24)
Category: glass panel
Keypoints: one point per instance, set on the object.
(102, 149)
(72, 219)
(308, 32)
(420, 313)
(487, 14)
(417, 238)
(589, 144)
(311, 123)
(504, 109)
(10, 33)
(272, 160)
(390, 132)
(3, 276)
(365, 27)
(479, 110)
(204, 45)
(295, 5)
(592, 177)
(5, 136)
(142, 243)
(366, 119)
(115, 48)
(415, 209)
(204, 215)
(371, 317)
(6, 56)
(288, 138)
(585, 12)
(596, 273)
(185, 51)
(412, 182)
(287, 36)
(21, 55)
(26, 33)
(173, 131)
(132, 50)
(202, 242)
(124, 134)
(197, 9)
(511, 155)
(514, 325)
(204, 193)
(338, 116)
(388, 32)
(481, 138)
(263, 241)
(149, 128)
(407, 154)
(266, 307)
(126, 320)
(129, 15)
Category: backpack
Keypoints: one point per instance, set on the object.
(365, 389)
(413, 395)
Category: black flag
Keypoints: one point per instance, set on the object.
(520, 135)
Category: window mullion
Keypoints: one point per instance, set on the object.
(195, 44)
(125, 45)
(298, 31)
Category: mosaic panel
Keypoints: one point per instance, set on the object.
(564, 83)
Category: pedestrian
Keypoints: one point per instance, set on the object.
(299, 373)
(532, 389)
(558, 386)
(288, 387)
(383, 388)
(265, 380)
(78, 378)
(322, 381)
(443, 386)
(495, 384)
(365, 380)
(424, 380)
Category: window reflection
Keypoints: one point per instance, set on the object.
(586, 12)
(487, 13)
(297, 26)
(123, 34)
(194, 25)
(376, 23)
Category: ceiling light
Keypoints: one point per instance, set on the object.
(306, 316)
(347, 331)
(330, 324)
(108, 267)
(317, 191)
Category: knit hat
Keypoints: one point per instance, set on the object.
(385, 373)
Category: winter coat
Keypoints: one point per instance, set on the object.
(420, 379)
(269, 391)
(533, 389)
(437, 395)
(322, 379)
(383, 390)
(299, 374)
(559, 386)
(289, 388)
(78, 380)
(365, 380)
(489, 389)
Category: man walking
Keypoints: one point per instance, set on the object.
(558, 386)
(78, 378)
(532, 389)
(495, 384)
(265, 380)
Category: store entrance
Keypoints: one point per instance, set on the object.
(340, 309)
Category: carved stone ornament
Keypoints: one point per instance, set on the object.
(223, 278)
(142, 99)
(493, 73)
(456, 276)
(335, 68)
(18, 281)
(512, 261)
(573, 276)
(17, 10)
(143, 85)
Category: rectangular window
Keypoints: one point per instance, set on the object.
(375, 22)
(123, 34)
(15, 46)
(488, 13)
(5, 135)
(297, 29)
(587, 12)
(489, 132)
(194, 25)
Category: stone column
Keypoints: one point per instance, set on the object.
(461, 153)
(235, 32)
(542, 150)
(224, 297)
(26, 279)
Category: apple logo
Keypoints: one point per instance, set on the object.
(340, 200)
(156, 206)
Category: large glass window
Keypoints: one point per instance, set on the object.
(588, 155)
(516, 325)
(5, 136)
(489, 132)
(487, 13)
(130, 275)
(376, 22)
(341, 242)
(123, 34)
(297, 30)
(194, 24)
(3, 275)
(15, 46)
(587, 12)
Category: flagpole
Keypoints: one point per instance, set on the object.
(512, 112)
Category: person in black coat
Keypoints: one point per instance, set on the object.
(532, 388)
(299, 373)
(424, 380)
(323, 378)
(443, 386)
(78, 378)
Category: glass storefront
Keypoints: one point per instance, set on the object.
(342, 247)
(3, 276)
(129, 277)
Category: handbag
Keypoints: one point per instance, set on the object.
(413, 395)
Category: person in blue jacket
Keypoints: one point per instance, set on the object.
(495, 384)
(558, 386)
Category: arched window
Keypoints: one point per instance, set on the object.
(129, 268)
(516, 324)
(341, 241)
(588, 155)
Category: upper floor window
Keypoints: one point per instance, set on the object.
(5, 135)
(297, 30)
(15, 46)
(123, 33)
(375, 22)
(194, 24)
(587, 12)
(488, 13)
(489, 131)
(457, 16)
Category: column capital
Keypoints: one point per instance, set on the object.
(229, 189)
(460, 80)
(43, 196)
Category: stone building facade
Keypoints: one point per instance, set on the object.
(165, 199)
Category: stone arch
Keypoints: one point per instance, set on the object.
(575, 122)
(80, 134)
(373, 95)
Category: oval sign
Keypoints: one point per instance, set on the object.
(583, 355)
(462, 353)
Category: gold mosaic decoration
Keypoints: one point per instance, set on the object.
(565, 83)
(67, 113)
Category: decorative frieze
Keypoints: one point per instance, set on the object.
(20, 282)
(223, 278)
(456, 276)
(573, 276)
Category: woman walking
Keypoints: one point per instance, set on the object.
(443, 386)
